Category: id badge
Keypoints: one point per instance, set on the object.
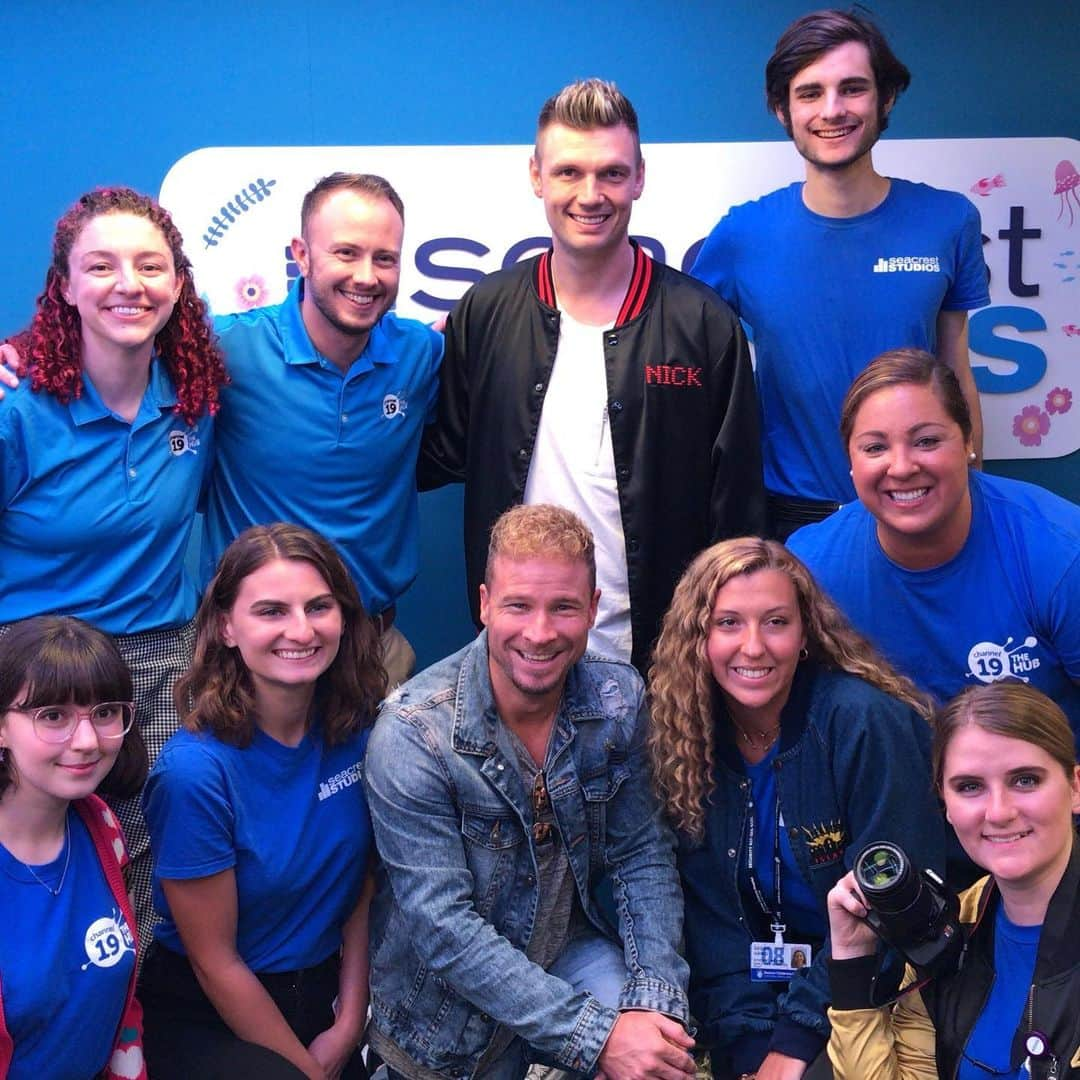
(777, 962)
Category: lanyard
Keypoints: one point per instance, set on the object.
(775, 913)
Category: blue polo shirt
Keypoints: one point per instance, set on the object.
(96, 512)
(298, 440)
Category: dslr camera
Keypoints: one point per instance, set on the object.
(913, 911)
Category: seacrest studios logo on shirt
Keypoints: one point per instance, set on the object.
(340, 781)
(183, 442)
(908, 264)
(989, 662)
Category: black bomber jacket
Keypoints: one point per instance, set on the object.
(682, 407)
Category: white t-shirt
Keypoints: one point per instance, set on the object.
(573, 465)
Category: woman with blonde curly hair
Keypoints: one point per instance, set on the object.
(781, 743)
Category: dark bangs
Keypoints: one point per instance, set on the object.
(58, 660)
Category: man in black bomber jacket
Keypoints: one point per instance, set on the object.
(598, 379)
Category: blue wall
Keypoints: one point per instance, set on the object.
(96, 92)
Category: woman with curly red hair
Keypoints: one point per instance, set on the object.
(105, 448)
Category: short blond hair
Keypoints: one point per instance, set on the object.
(541, 531)
(588, 104)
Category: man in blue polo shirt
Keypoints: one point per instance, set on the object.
(832, 272)
(330, 392)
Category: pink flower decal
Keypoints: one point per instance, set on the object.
(1059, 400)
(1030, 425)
(250, 292)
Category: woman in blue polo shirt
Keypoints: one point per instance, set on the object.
(67, 951)
(104, 450)
(259, 825)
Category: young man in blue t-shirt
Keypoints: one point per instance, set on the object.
(833, 271)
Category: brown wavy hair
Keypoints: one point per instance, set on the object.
(218, 693)
(681, 683)
(51, 349)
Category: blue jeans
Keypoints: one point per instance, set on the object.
(589, 962)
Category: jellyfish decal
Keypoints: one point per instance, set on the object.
(1066, 181)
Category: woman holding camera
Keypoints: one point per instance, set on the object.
(1005, 764)
(781, 744)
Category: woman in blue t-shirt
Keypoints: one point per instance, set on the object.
(259, 827)
(956, 575)
(1005, 764)
(67, 950)
(781, 743)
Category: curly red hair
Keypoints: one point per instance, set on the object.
(51, 348)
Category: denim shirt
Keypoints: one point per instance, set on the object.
(457, 893)
(853, 767)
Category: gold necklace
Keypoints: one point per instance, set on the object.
(765, 738)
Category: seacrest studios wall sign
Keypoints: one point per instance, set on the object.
(470, 210)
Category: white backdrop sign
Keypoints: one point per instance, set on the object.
(470, 210)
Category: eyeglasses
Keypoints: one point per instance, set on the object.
(57, 723)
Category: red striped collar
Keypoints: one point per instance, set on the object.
(634, 302)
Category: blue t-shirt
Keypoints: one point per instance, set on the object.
(1006, 604)
(990, 1042)
(96, 512)
(300, 441)
(292, 822)
(799, 906)
(823, 296)
(65, 962)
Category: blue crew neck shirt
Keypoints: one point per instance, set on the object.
(822, 296)
(1004, 606)
(290, 821)
(65, 961)
(799, 906)
(990, 1042)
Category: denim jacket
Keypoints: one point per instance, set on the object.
(852, 768)
(457, 892)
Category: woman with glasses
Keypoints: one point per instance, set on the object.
(1005, 765)
(259, 825)
(104, 449)
(68, 939)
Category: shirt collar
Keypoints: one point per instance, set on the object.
(300, 349)
(160, 395)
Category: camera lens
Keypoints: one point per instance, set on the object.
(886, 878)
(880, 866)
(909, 909)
